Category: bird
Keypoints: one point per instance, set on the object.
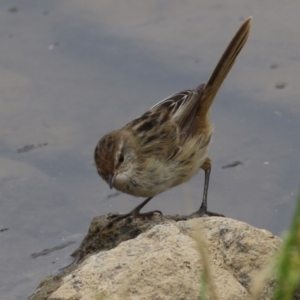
(167, 145)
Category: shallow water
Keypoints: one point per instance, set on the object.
(70, 71)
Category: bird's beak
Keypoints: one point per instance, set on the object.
(111, 179)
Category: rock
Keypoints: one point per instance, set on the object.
(161, 259)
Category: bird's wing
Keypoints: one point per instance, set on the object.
(182, 108)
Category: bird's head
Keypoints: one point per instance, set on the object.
(114, 156)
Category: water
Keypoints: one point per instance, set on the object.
(71, 71)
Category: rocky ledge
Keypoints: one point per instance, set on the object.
(163, 259)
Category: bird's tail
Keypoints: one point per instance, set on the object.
(222, 69)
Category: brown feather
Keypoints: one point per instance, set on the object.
(219, 74)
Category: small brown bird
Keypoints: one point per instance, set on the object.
(167, 145)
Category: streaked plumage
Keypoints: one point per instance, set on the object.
(166, 145)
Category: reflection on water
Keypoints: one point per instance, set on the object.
(70, 72)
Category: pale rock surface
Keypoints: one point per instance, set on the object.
(164, 262)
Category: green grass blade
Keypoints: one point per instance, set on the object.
(288, 266)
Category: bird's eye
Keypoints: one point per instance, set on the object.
(121, 158)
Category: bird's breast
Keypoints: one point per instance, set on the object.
(155, 175)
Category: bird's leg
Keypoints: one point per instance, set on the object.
(135, 213)
(203, 208)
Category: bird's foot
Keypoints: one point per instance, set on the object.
(203, 211)
(134, 214)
